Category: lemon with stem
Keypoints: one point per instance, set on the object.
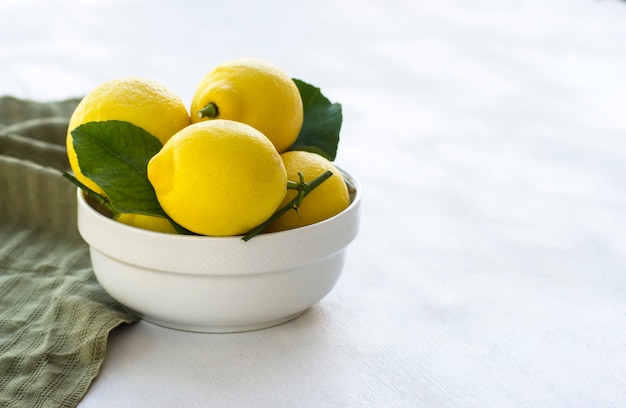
(328, 199)
(255, 92)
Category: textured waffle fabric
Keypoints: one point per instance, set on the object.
(54, 317)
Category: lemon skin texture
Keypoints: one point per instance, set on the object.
(327, 200)
(255, 92)
(218, 178)
(147, 222)
(143, 102)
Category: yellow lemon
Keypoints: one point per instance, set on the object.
(255, 92)
(218, 177)
(142, 102)
(158, 224)
(328, 199)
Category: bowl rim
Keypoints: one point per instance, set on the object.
(355, 200)
(230, 255)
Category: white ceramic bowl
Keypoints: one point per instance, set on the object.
(218, 284)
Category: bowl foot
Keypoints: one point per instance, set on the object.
(220, 329)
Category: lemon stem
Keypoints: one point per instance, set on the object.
(303, 188)
(209, 111)
(292, 185)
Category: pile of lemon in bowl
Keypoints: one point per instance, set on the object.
(248, 157)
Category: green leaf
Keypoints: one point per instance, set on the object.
(115, 154)
(101, 199)
(322, 122)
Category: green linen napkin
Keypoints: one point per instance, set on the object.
(54, 317)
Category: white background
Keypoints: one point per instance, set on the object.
(489, 138)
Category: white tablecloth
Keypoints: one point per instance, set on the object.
(490, 141)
